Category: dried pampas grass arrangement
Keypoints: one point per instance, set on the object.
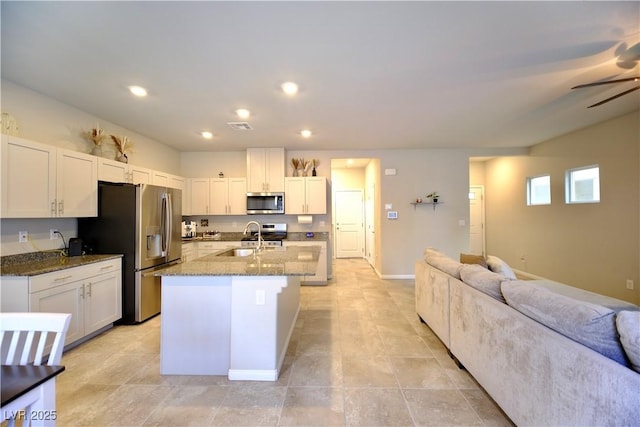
(95, 135)
(123, 143)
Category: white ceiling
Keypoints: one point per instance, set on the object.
(372, 75)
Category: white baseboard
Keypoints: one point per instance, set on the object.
(398, 276)
(253, 375)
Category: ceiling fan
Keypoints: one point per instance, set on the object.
(635, 79)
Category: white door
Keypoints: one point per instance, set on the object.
(349, 223)
(476, 220)
(370, 244)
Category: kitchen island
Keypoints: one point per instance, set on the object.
(224, 314)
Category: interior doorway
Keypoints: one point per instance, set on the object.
(476, 220)
(369, 220)
(353, 181)
(349, 223)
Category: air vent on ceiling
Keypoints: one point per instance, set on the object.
(240, 125)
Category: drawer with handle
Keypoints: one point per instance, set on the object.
(72, 274)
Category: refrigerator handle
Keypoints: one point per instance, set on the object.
(167, 224)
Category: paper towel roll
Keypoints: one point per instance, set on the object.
(305, 219)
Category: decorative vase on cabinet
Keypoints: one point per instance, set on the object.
(97, 150)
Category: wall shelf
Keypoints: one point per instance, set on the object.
(434, 204)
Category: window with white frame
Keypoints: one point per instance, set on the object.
(539, 190)
(583, 185)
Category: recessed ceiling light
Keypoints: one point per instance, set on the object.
(243, 113)
(138, 90)
(207, 135)
(306, 133)
(290, 88)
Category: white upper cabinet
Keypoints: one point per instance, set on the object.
(160, 178)
(42, 181)
(77, 184)
(114, 171)
(178, 182)
(140, 175)
(306, 195)
(265, 170)
(228, 196)
(199, 196)
(216, 196)
(28, 179)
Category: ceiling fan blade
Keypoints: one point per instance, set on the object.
(607, 82)
(614, 97)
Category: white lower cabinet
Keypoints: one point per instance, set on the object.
(320, 278)
(91, 293)
(189, 251)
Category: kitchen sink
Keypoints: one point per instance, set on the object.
(237, 252)
(242, 252)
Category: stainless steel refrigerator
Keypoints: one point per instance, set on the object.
(142, 222)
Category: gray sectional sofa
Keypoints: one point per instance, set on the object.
(527, 362)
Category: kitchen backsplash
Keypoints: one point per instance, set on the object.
(210, 223)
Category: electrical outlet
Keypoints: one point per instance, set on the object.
(260, 297)
(23, 236)
(630, 284)
(53, 233)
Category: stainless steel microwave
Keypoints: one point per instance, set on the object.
(265, 203)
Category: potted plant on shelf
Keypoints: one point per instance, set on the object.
(433, 196)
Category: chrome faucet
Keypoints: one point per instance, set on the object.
(246, 230)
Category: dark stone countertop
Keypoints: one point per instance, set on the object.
(34, 263)
(290, 261)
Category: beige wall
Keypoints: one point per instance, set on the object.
(476, 172)
(46, 120)
(591, 246)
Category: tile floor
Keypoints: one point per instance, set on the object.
(359, 356)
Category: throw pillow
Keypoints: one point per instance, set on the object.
(473, 259)
(628, 323)
(497, 265)
(591, 325)
(483, 280)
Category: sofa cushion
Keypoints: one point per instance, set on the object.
(483, 280)
(628, 323)
(580, 294)
(473, 259)
(590, 324)
(497, 265)
(446, 264)
(430, 252)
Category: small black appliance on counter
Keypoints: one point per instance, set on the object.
(75, 246)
